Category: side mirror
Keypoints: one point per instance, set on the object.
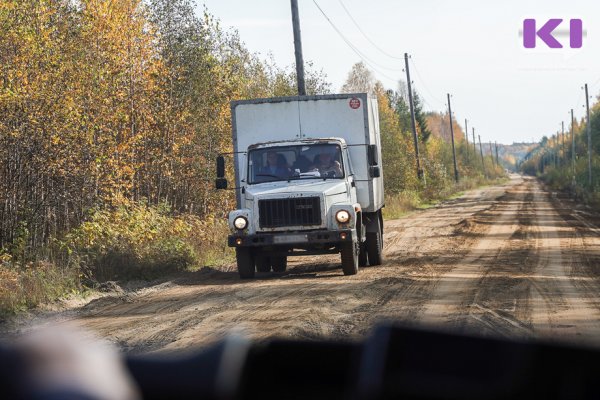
(220, 167)
(372, 154)
(375, 171)
(221, 183)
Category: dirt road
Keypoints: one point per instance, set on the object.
(510, 260)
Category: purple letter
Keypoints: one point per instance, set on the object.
(576, 33)
(545, 33)
(529, 33)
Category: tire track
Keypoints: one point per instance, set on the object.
(564, 311)
(501, 303)
(454, 297)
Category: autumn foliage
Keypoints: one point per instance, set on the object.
(563, 160)
(111, 116)
(115, 111)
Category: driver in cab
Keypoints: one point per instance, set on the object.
(276, 167)
(327, 166)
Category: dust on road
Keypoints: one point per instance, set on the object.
(508, 260)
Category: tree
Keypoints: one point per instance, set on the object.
(396, 146)
(422, 129)
(360, 80)
(399, 102)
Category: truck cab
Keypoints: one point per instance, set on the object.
(302, 190)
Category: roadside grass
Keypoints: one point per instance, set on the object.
(134, 241)
(402, 204)
(138, 241)
(24, 286)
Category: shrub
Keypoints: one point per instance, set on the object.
(136, 240)
(399, 204)
(23, 286)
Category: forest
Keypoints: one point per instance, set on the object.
(111, 116)
(569, 160)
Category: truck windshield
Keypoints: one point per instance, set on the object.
(305, 161)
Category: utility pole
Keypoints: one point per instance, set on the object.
(589, 136)
(481, 151)
(573, 142)
(413, 119)
(467, 134)
(452, 136)
(298, 49)
(556, 144)
(474, 144)
(491, 153)
(496, 144)
(564, 157)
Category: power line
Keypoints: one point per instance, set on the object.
(365, 35)
(372, 64)
(350, 43)
(422, 98)
(579, 99)
(369, 61)
(423, 83)
(362, 56)
(391, 56)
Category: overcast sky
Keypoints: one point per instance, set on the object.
(469, 48)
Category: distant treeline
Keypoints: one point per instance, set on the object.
(562, 160)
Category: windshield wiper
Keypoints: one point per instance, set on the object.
(272, 176)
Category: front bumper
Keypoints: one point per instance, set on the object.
(292, 239)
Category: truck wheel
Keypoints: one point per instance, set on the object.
(375, 245)
(350, 258)
(279, 264)
(362, 256)
(263, 264)
(245, 262)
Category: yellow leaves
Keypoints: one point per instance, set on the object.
(7, 6)
(95, 113)
(5, 258)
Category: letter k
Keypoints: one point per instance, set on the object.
(545, 33)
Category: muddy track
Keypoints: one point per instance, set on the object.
(510, 260)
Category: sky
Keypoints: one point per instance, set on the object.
(470, 49)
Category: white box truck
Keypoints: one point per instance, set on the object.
(308, 180)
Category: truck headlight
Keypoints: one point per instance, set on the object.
(342, 216)
(240, 223)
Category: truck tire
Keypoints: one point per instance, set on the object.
(349, 252)
(245, 262)
(363, 259)
(279, 264)
(374, 244)
(362, 256)
(263, 264)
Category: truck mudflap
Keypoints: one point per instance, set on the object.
(292, 238)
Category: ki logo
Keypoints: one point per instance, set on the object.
(548, 33)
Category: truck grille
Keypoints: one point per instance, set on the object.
(276, 213)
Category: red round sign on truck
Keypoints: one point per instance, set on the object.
(354, 103)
